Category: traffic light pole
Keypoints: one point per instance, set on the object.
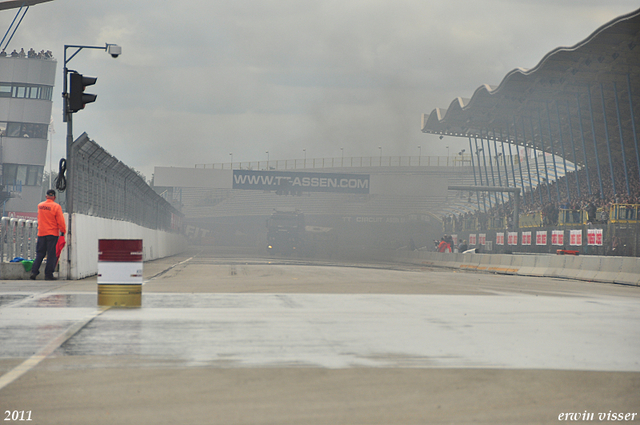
(67, 116)
(69, 185)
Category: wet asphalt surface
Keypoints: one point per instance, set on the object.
(218, 312)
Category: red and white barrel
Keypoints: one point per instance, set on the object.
(120, 272)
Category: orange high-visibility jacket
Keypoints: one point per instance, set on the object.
(50, 219)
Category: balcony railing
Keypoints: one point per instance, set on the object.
(624, 213)
(349, 162)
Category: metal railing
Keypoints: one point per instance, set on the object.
(572, 217)
(624, 213)
(349, 162)
(17, 238)
(533, 219)
(618, 213)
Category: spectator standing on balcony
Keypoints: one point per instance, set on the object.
(50, 225)
(463, 246)
(591, 212)
(604, 213)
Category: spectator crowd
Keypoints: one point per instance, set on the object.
(32, 54)
(550, 198)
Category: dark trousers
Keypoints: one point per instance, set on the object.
(46, 246)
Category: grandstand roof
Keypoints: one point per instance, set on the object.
(14, 4)
(562, 99)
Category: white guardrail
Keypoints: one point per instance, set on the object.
(18, 238)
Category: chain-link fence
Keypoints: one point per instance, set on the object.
(105, 187)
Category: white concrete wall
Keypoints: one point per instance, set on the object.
(624, 270)
(87, 230)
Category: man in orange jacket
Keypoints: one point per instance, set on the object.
(50, 225)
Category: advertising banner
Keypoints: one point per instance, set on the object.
(299, 181)
(512, 238)
(575, 238)
(472, 239)
(526, 238)
(500, 238)
(541, 237)
(557, 237)
(482, 239)
(594, 237)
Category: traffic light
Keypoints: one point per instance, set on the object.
(77, 97)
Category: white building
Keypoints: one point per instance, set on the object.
(26, 90)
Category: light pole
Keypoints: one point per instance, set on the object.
(267, 152)
(380, 148)
(114, 50)
(304, 164)
(419, 154)
(231, 155)
(342, 160)
(461, 153)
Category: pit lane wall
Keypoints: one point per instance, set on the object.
(621, 270)
(87, 230)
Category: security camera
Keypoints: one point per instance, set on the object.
(114, 50)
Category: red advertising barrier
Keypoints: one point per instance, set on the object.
(567, 252)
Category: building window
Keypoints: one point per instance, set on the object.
(18, 174)
(23, 129)
(26, 91)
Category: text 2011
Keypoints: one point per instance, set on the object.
(17, 415)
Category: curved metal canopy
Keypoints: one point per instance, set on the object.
(14, 4)
(581, 100)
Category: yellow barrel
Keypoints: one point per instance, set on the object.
(120, 295)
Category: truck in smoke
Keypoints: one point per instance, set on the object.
(286, 233)
(289, 233)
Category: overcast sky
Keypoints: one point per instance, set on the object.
(200, 79)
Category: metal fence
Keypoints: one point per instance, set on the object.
(102, 187)
(349, 162)
(18, 238)
(105, 187)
